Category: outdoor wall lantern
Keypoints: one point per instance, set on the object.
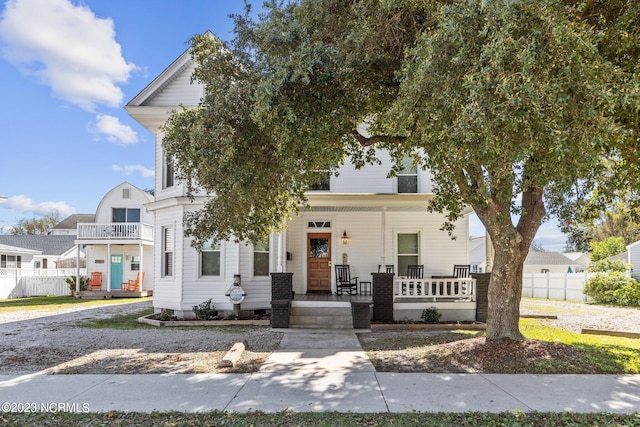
(345, 238)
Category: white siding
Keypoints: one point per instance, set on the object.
(114, 199)
(438, 252)
(179, 91)
(634, 260)
(168, 290)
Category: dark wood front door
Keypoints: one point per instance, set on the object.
(319, 262)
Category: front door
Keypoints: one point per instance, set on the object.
(319, 262)
(116, 272)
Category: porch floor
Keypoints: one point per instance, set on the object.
(113, 294)
(346, 298)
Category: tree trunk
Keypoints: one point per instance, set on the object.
(505, 291)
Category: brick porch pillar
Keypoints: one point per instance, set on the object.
(383, 297)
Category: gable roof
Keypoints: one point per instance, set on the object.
(7, 249)
(71, 222)
(47, 245)
(547, 258)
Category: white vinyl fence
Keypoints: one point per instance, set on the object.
(555, 286)
(18, 283)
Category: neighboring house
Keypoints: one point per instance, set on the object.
(119, 241)
(361, 218)
(69, 225)
(581, 258)
(550, 262)
(34, 252)
(633, 258)
(478, 254)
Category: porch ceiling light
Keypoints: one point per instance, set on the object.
(345, 238)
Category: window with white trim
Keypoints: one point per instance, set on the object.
(135, 263)
(261, 258)
(407, 176)
(210, 259)
(10, 261)
(125, 214)
(408, 251)
(168, 177)
(167, 251)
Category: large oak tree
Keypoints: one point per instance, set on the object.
(510, 104)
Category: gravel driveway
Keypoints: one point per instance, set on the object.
(55, 343)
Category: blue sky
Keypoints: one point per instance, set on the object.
(68, 67)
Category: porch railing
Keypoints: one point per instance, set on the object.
(115, 231)
(434, 289)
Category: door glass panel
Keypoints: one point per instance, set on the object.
(318, 248)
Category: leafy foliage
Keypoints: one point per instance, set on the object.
(614, 288)
(431, 315)
(605, 265)
(607, 248)
(205, 310)
(71, 281)
(36, 226)
(489, 96)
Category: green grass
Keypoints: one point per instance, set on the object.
(119, 321)
(59, 303)
(598, 353)
(288, 418)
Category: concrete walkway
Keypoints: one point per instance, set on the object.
(322, 371)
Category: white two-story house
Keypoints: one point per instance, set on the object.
(361, 218)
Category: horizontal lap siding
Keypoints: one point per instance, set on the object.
(180, 91)
(438, 252)
(167, 291)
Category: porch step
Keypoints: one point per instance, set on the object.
(325, 317)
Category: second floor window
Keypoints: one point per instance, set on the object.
(408, 177)
(125, 215)
(168, 175)
(324, 181)
(167, 251)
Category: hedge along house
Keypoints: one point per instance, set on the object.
(119, 243)
(360, 218)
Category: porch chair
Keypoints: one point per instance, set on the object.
(134, 285)
(95, 283)
(413, 272)
(389, 268)
(344, 280)
(461, 271)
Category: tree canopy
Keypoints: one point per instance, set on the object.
(517, 107)
(38, 226)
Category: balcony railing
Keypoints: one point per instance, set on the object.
(434, 289)
(116, 231)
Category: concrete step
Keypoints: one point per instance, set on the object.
(321, 317)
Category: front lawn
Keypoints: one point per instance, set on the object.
(547, 350)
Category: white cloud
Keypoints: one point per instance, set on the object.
(131, 169)
(114, 131)
(67, 48)
(25, 204)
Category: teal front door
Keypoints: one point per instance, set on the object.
(116, 272)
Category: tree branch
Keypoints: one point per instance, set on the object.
(375, 139)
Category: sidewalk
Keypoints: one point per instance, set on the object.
(317, 371)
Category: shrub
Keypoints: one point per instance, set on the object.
(431, 315)
(614, 288)
(71, 281)
(205, 310)
(608, 265)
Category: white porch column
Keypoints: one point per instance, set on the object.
(489, 253)
(108, 267)
(281, 254)
(383, 234)
(141, 246)
(77, 267)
